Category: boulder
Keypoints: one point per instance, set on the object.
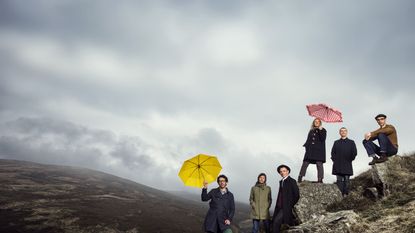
(338, 222)
(381, 173)
(314, 198)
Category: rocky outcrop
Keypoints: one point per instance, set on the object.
(381, 176)
(314, 198)
(338, 222)
(311, 210)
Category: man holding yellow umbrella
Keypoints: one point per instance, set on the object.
(198, 172)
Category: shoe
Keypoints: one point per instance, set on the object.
(373, 161)
(300, 179)
(383, 158)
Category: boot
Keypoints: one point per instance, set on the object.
(383, 158)
(300, 179)
(374, 160)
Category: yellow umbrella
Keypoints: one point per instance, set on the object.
(198, 169)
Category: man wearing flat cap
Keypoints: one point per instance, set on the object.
(387, 139)
(288, 196)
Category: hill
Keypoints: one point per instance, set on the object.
(49, 198)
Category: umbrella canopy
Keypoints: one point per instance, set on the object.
(324, 113)
(198, 169)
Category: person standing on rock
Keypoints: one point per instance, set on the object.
(343, 152)
(260, 200)
(221, 207)
(387, 139)
(315, 150)
(288, 196)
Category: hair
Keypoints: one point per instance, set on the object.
(222, 176)
(283, 166)
(261, 174)
(312, 123)
(342, 128)
(380, 115)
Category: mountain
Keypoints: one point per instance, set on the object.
(48, 198)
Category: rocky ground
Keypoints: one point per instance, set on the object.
(381, 200)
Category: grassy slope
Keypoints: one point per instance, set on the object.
(396, 212)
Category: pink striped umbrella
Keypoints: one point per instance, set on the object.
(324, 113)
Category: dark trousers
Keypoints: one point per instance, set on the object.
(256, 224)
(343, 182)
(277, 221)
(385, 146)
(320, 169)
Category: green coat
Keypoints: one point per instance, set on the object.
(260, 201)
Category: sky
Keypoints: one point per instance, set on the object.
(134, 88)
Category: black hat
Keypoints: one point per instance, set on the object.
(380, 115)
(281, 166)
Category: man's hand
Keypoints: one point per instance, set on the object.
(205, 184)
(367, 136)
(227, 222)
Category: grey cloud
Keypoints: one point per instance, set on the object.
(342, 53)
(47, 140)
(132, 152)
(210, 140)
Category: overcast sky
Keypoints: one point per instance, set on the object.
(134, 88)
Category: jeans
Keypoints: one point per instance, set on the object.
(320, 169)
(256, 223)
(385, 146)
(343, 184)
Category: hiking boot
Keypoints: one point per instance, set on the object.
(383, 158)
(300, 179)
(373, 161)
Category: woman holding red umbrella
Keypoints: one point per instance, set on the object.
(315, 150)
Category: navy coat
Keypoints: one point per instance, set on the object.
(343, 153)
(221, 207)
(315, 146)
(290, 197)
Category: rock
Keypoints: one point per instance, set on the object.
(338, 222)
(314, 198)
(371, 193)
(381, 175)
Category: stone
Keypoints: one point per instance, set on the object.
(338, 222)
(314, 198)
(381, 175)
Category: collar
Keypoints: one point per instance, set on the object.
(223, 191)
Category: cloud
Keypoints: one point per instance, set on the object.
(158, 82)
(59, 142)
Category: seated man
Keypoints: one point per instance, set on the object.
(387, 139)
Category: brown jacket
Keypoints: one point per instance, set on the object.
(389, 131)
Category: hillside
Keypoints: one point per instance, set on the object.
(48, 198)
(392, 212)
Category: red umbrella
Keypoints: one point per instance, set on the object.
(324, 113)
